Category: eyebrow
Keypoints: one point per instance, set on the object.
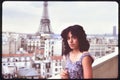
(72, 36)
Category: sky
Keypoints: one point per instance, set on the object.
(96, 17)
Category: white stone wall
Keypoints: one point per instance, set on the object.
(56, 65)
(106, 67)
(54, 45)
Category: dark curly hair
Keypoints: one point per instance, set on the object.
(78, 31)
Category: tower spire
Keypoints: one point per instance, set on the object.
(44, 27)
(45, 11)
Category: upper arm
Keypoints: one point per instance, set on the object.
(87, 67)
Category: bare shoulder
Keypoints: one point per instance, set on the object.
(87, 60)
(87, 66)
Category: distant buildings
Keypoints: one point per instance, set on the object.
(102, 45)
(114, 31)
(43, 49)
(11, 42)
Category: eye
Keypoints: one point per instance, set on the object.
(68, 38)
(75, 37)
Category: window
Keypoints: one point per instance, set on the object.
(56, 69)
(48, 65)
(60, 63)
(49, 53)
(38, 66)
(52, 42)
(47, 75)
(55, 74)
(48, 70)
(55, 64)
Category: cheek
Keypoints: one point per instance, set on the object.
(67, 41)
(77, 43)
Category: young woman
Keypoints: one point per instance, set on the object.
(76, 46)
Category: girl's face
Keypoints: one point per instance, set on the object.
(72, 41)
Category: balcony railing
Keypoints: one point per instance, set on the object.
(106, 66)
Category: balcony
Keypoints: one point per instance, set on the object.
(104, 67)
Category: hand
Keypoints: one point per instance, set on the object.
(64, 74)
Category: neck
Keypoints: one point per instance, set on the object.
(76, 51)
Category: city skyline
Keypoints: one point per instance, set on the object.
(95, 17)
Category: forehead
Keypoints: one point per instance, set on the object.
(70, 34)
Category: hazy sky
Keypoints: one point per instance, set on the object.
(96, 17)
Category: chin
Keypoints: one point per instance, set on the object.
(72, 47)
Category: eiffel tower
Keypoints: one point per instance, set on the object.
(44, 27)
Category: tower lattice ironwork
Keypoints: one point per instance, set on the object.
(44, 27)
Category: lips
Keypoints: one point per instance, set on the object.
(71, 44)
